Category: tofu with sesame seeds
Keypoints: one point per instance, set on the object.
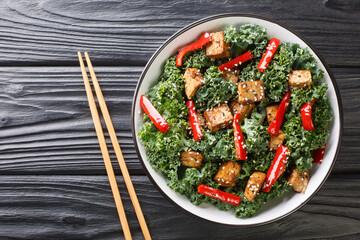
(243, 108)
(231, 75)
(218, 117)
(299, 181)
(251, 91)
(271, 112)
(254, 185)
(193, 80)
(191, 159)
(217, 47)
(228, 173)
(300, 79)
(276, 141)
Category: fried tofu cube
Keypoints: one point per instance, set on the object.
(251, 91)
(276, 141)
(231, 75)
(191, 159)
(217, 47)
(271, 112)
(218, 117)
(300, 79)
(193, 80)
(299, 181)
(228, 173)
(254, 185)
(243, 108)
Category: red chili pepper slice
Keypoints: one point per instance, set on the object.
(153, 114)
(318, 155)
(240, 147)
(271, 49)
(194, 121)
(277, 168)
(276, 123)
(204, 39)
(305, 111)
(222, 196)
(236, 61)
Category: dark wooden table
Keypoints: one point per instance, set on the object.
(53, 183)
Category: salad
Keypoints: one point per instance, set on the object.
(237, 119)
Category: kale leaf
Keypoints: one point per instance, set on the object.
(257, 139)
(301, 142)
(197, 59)
(249, 208)
(216, 90)
(249, 37)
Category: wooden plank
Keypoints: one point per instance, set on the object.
(46, 127)
(82, 207)
(121, 33)
(59, 126)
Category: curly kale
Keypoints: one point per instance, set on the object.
(249, 37)
(257, 139)
(171, 72)
(168, 99)
(218, 146)
(257, 142)
(304, 60)
(164, 148)
(288, 57)
(216, 90)
(249, 208)
(197, 59)
(301, 142)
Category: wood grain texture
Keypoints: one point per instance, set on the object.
(62, 122)
(119, 33)
(46, 127)
(82, 207)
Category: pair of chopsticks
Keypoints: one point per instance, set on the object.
(105, 152)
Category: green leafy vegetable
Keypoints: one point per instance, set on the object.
(301, 142)
(218, 146)
(206, 97)
(249, 208)
(257, 138)
(197, 59)
(288, 57)
(249, 37)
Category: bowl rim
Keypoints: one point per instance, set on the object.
(194, 24)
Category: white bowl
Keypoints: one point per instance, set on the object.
(281, 206)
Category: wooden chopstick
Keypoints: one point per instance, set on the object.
(105, 152)
(117, 149)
